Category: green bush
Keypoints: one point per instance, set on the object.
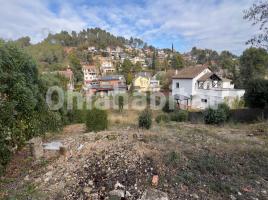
(96, 120)
(217, 116)
(162, 118)
(212, 116)
(226, 109)
(145, 119)
(256, 95)
(179, 116)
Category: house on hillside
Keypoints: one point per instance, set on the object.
(199, 88)
(144, 82)
(90, 74)
(107, 67)
(108, 85)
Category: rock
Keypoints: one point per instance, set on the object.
(155, 180)
(26, 178)
(195, 196)
(232, 197)
(87, 190)
(117, 193)
(264, 192)
(36, 147)
(90, 182)
(80, 147)
(152, 194)
(118, 185)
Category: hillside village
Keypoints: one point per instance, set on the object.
(131, 68)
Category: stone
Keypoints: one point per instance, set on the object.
(152, 194)
(36, 147)
(118, 185)
(26, 178)
(155, 180)
(117, 193)
(87, 190)
(232, 197)
(195, 196)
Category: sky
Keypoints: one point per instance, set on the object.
(214, 24)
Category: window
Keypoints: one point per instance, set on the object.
(204, 100)
(177, 85)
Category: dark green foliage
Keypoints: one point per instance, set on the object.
(76, 67)
(177, 61)
(256, 95)
(215, 116)
(179, 116)
(226, 109)
(254, 64)
(24, 113)
(121, 103)
(91, 37)
(49, 56)
(162, 118)
(145, 119)
(96, 120)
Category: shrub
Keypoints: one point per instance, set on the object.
(256, 95)
(226, 109)
(212, 116)
(162, 118)
(96, 120)
(179, 116)
(145, 119)
(217, 116)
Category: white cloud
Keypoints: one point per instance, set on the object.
(216, 24)
(31, 17)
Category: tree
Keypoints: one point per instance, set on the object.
(96, 120)
(138, 67)
(121, 103)
(259, 16)
(256, 95)
(127, 68)
(253, 64)
(154, 60)
(23, 42)
(177, 61)
(76, 67)
(24, 113)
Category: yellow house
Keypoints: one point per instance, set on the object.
(141, 84)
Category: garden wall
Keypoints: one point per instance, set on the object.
(239, 115)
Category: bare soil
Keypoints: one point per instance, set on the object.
(192, 161)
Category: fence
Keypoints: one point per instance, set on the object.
(239, 115)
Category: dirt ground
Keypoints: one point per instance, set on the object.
(192, 161)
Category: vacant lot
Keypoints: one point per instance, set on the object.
(192, 162)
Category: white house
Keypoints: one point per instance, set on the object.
(107, 67)
(199, 88)
(90, 74)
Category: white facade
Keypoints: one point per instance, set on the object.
(107, 67)
(205, 93)
(90, 74)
